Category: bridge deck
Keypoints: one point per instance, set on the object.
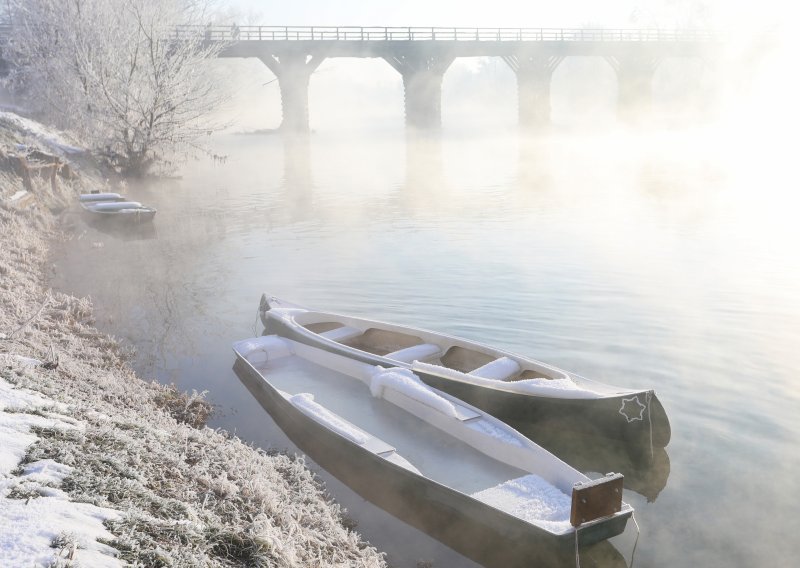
(403, 34)
(254, 41)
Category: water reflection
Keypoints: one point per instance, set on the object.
(424, 168)
(298, 183)
(424, 187)
(646, 469)
(144, 281)
(125, 231)
(534, 169)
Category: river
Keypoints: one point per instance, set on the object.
(660, 260)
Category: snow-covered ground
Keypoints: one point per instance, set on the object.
(182, 493)
(54, 140)
(38, 522)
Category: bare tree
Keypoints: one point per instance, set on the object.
(111, 71)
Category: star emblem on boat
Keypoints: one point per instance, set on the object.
(632, 409)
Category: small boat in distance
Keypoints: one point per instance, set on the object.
(99, 197)
(521, 391)
(104, 206)
(460, 474)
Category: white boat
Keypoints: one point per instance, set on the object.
(98, 197)
(460, 474)
(527, 393)
(103, 206)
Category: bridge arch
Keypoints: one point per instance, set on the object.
(478, 93)
(352, 93)
(584, 89)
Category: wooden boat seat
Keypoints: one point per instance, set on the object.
(340, 334)
(419, 352)
(500, 369)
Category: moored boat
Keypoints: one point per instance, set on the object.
(459, 473)
(524, 392)
(99, 197)
(114, 206)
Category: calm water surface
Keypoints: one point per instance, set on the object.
(663, 260)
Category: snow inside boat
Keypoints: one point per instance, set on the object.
(518, 390)
(400, 443)
(99, 196)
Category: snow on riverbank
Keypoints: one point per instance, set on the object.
(121, 459)
(41, 523)
(54, 140)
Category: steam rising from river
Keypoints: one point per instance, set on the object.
(662, 257)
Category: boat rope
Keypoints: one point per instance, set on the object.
(255, 323)
(633, 552)
(635, 542)
(649, 397)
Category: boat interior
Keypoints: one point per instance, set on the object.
(434, 453)
(407, 348)
(392, 414)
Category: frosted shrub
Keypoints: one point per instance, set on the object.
(108, 70)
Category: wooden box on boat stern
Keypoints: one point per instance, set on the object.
(596, 499)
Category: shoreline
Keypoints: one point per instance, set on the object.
(163, 488)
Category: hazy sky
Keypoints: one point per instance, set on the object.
(516, 13)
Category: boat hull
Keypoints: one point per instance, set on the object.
(536, 416)
(108, 207)
(635, 418)
(479, 532)
(132, 218)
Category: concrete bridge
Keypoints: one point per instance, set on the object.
(423, 55)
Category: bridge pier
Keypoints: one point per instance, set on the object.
(635, 84)
(422, 82)
(293, 70)
(533, 72)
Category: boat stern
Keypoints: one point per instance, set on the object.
(263, 307)
(662, 431)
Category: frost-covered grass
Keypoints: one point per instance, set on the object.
(58, 142)
(34, 511)
(134, 454)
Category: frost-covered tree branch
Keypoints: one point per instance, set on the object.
(107, 70)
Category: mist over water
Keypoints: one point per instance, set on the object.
(662, 258)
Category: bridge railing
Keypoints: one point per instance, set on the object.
(357, 33)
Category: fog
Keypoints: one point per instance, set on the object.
(656, 255)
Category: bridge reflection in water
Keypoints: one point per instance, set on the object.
(423, 55)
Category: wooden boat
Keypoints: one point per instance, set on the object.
(457, 472)
(104, 206)
(531, 395)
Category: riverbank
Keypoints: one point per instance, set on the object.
(101, 468)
